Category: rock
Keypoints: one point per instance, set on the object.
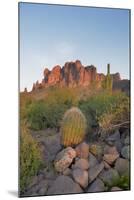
(81, 177)
(110, 154)
(92, 160)
(96, 186)
(64, 159)
(122, 166)
(96, 150)
(113, 138)
(64, 185)
(67, 172)
(110, 150)
(125, 152)
(109, 158)
(106, 165)
(82, 150)
(127, 140)
(109, 177)
(124, 135)
(34, 181)
(82, 164)
(74, 74)
(43, 186)
(113, 189)
(95, 171)
(52, 146)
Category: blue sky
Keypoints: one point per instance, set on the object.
(53, 34)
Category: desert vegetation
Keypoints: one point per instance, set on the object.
(72, 116)
(74, 139)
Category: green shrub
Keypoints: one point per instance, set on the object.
(30, 157)
(36, 115)
(48, 113)
(117, 115)
(122, 182)
(73, 127)
(105, 110)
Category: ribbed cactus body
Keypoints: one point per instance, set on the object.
(73, 128)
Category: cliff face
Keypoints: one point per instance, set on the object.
(72, 74)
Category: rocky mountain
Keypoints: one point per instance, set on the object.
(72, 74)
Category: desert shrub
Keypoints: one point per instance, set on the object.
(41, 114)
(102, 108)
(117, 115)
(30, 157)
(36, 115)
(48, 113)
(25, 101)
(122, 182)
(73, 127)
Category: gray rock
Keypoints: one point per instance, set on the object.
(110, 150)
(81, 163)
(52, 146)
(95, 171)
(113, 138)
(106, 165)
(110, 158)
(67, 172)
(127, 140)
(64, 159)
(34, 181)
(64, 185)
(125, 152)
(82, 150)
(81, 177)
(96, 186)
(92, 160)
(109, 177)
(43, 186)
(122, 166)
(125, 134)
(113, 189)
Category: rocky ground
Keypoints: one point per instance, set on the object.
(99, 165)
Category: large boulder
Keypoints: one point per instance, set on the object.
(81, 163)
(64, 159)
(64, 185)
(81, 177)
(82, 150)
(95, 171)
(96, 186)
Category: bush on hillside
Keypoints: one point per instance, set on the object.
(100, 107)
(30, 157)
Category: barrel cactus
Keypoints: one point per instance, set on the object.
(73, 127)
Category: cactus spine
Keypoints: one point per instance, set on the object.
(73, 128)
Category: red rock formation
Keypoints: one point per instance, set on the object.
(116, 77)
(72, 74)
